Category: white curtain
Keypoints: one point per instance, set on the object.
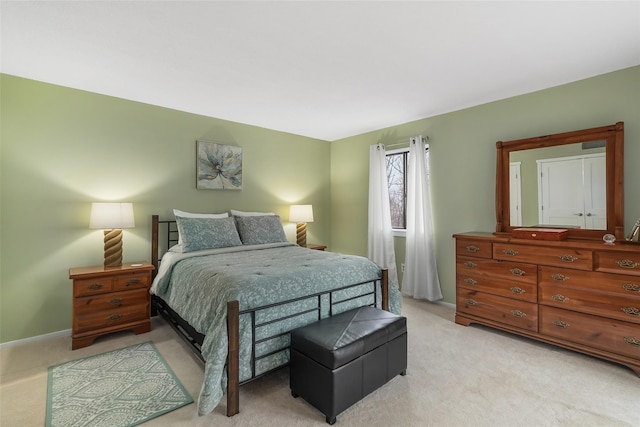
(420, 279)
(380, 242)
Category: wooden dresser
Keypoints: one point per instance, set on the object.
(578, 294)
(107, 300)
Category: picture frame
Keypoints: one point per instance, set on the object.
(635, 231)
(218, 166)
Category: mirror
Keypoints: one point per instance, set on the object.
(571, 180)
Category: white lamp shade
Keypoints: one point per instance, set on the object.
(110, 216)
(301, 213)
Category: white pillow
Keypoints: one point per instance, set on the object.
(242, 213)
(184, 214)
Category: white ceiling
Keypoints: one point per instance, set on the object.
(326, 69)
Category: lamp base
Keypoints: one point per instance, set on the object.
(113, 248)
(301, 234)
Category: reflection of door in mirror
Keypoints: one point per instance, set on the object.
(515, 194)
(572, 192)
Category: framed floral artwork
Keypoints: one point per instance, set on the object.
(219, 166)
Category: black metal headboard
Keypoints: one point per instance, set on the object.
(164, 234)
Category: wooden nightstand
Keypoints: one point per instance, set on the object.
(316, 247)
(110, 299)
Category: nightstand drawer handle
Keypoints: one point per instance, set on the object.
(115, 301)
(631, 287)
(559, 298)
(510, 252)
(626, 263)
(568, 258)
(559, 277)
(470, 281)
(631, 311)
(518, 313)
(473, 249)
(469, 301)
(560, 324)
(470, 264)
(96, 286)
(632, 341)
(517, 272)
(517, 290)
(132, 282)
(114, 317)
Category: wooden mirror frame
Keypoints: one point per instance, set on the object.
(614, 136)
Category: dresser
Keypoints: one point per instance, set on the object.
(110, 299)
(579, 294)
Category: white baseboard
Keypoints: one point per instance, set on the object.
(66, 332)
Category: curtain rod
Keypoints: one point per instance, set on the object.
(404, 141)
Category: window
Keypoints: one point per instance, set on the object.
(397, 161)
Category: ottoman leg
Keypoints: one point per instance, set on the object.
(331, 421)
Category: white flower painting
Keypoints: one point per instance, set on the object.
(219, 166)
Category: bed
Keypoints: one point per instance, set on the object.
(234, 288)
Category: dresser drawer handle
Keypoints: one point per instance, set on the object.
(568, 258)
(473, 249)
(631, 287)
(115, 301)
(559, 298)
(114, 317)
(632, 340)
(470, 301)
(470, 281)
(560, 324)
(96, 286)
(517, 272)
(517, 290)
(559, 277)
(510, 252)
(518, 313)
(132, 282)
(470, 264)
(631, 311)
(626, 263)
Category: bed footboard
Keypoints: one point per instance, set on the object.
(233, 334)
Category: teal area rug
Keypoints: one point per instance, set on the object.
(123, 387)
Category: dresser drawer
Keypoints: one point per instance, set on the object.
(619, 284)
(100, 303)
(512, 312)
(94, 286)
(474, 248)
(562, 257)
(108, 318)
(498, 278)
(594, 331)
(586, 301)
(618, 262)
(131, 281)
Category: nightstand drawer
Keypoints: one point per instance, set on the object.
(108, 318)
(100, 303)
(131, 281)
(98, 285)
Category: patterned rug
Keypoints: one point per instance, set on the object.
(123, 387)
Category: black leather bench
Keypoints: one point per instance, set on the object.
(337, 361)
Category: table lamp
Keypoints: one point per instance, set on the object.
(301, 215)
(112, 218)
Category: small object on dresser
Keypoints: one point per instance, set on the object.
(536, 233)
(609, 239)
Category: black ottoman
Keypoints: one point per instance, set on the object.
(337, 361)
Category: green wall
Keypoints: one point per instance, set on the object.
(462, 155)
(62, 149)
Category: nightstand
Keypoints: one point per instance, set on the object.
(316, 247)
(110, 299)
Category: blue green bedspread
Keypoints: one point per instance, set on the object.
(197, 285)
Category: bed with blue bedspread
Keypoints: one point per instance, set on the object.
(241, 294)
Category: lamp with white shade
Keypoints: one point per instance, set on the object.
(112, 218)
(301, 215)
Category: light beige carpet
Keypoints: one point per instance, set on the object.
(457, 376)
